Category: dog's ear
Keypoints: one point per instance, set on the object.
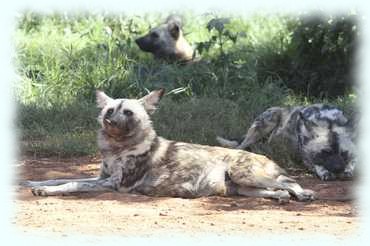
(102, 99)
(151, 100)
(174, 19)
(174, 29)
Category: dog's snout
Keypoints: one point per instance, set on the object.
(110, 122)
(140, 42)
(137, 41)
(113, 123)
(146, 44)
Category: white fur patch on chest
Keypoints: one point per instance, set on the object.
(319, 141)
(120, 160)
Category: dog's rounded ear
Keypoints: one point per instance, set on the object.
(174, 19)
(102, 99)
(151, 100)
(174, 30)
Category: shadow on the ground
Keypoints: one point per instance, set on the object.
(242, 203)
(42, 169)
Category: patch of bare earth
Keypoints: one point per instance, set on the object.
(138, 215)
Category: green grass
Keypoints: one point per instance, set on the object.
(62, 59)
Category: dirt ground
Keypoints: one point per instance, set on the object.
(138, 215)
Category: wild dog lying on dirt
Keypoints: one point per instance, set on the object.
(136, 160)
(319, 134)
(167, 42)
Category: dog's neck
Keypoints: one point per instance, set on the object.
(116, 144)
(184, 51)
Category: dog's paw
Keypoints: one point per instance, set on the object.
(307, 195)
(39, 191)
(283, 200)
(283, 196)
(328, 176)
(346, 175)
(116, 185)
(115, 181)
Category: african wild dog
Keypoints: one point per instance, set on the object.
(136, 160)
(319, 134)
(167, 42)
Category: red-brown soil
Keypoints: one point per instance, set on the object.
(138, 215)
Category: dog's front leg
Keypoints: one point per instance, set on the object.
(323, 173)
(74, 187)
(54, 182)
(349, 169)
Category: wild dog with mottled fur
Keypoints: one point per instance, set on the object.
(136, 160)
(167, 42)
(321, 135)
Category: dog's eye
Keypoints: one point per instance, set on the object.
(109, 112)
(127, 112)
(154, 35)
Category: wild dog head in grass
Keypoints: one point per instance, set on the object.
(166, 41)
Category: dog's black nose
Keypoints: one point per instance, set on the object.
(110, 122)
(144, 44)
(113, 123)
(138, 41)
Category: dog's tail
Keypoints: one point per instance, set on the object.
(228, 143)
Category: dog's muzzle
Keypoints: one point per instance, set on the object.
(145, 44)
(120, 125)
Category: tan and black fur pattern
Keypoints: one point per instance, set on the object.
(319, 134)
(136, 160)
(167, 42)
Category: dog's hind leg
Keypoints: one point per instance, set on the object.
(259, 172)
(277, 188)
(280, 195)
(289, 184)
